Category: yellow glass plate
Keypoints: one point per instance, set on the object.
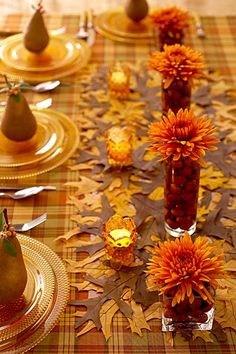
(50, 135)
(39, 76)
(58, 156)
(35, 253)
(36, 297)
(61, 51)
(115, 25)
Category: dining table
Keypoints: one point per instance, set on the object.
(87, 189)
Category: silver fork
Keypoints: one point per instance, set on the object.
(31, 224)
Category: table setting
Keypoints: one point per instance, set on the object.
(118, 200)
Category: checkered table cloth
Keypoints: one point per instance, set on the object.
(219, 49)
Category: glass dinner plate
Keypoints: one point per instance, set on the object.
(50, 135)
(43, 266)
(68, 144)
(61, 51)
(46, 75)
(115, 25)
(36, 298)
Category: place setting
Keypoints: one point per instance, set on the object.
(50, 139)
(34, 296)
(37, 54)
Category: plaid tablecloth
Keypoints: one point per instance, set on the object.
(219, 49)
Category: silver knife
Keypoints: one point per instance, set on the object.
(17, 188)
(90, 28)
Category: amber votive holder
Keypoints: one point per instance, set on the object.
(119, 144)
(120, 236)
(119, 81)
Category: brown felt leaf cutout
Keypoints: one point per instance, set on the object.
(107, 312)
(205, 335)
(138, 321)
(154, 311)
(112, 290)
(212, 179)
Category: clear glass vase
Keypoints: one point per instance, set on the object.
(169, 38)
(187, 317)
(181, 186)
(177, 95)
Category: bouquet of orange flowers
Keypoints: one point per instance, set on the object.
(170, 19)
(184, 268)
(177, 62)
(185, 272)
(183, 135)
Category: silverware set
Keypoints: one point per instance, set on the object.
(17, 193)
(86, 28)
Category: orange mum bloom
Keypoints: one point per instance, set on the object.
(170, 19)
(183, 135)
(177, 62)
(184, 268)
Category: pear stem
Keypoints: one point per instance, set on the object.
(6, 80)
(5, 216)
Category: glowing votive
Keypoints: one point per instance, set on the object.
(119, 80)
(119, 236)
(119, 146)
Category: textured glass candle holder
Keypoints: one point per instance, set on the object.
(120, 236)
(119, 81)
(181, 188)
(119, 146)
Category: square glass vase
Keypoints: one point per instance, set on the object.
(187, 317)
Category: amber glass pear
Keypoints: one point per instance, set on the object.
(136, 10)
(13, 274)
(18, 122)
(36, 37)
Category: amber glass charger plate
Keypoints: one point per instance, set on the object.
(45, 70)
(45, 299)
(114, 24)
(58, 138)
(61, 51)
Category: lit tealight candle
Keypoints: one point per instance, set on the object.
(119, 236)
(119, 146)
(118, 79)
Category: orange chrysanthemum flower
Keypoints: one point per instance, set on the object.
(183, 135)
(177, 62)
(184, 268)
(170, 19)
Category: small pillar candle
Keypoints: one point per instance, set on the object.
(119, 80)
(119, 146)
(119, 236)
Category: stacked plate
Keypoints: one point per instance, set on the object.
(57, 138)
(63, 56)
(25, 323)
(114, 24)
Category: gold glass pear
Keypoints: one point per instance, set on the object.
(18, 128)
(136, 10)
(36, 36)
(13, 274)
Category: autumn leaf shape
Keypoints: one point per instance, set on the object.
(170, 19)
(183, 135)
(184, 268)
